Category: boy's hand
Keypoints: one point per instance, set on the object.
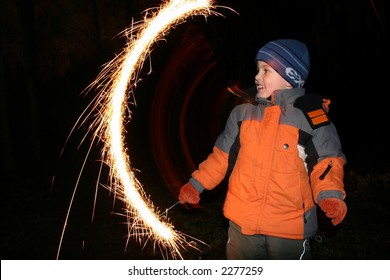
(188, 194)
(334, 208)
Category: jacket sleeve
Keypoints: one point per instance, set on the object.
(214, 169)
(327, 176)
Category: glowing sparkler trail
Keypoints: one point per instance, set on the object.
(118, 80)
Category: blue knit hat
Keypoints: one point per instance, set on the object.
(290, 58)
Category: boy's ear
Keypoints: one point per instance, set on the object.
(288, 85)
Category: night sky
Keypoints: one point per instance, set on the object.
(51, 51)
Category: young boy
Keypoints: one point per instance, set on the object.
(283, 156)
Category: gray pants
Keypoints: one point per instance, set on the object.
(262, 247)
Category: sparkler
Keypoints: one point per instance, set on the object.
(117, 82)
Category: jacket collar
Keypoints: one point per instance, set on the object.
(281, 97)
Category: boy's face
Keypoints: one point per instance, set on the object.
(267, 80)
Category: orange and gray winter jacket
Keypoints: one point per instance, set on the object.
(282, 158)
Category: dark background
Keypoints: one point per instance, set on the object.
(51, 51)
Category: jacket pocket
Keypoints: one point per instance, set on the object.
(286, 151)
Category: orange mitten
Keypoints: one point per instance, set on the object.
(189, 194)
(334, 208)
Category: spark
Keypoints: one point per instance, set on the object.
(116, 84)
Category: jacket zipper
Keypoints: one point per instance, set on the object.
(330, 165)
